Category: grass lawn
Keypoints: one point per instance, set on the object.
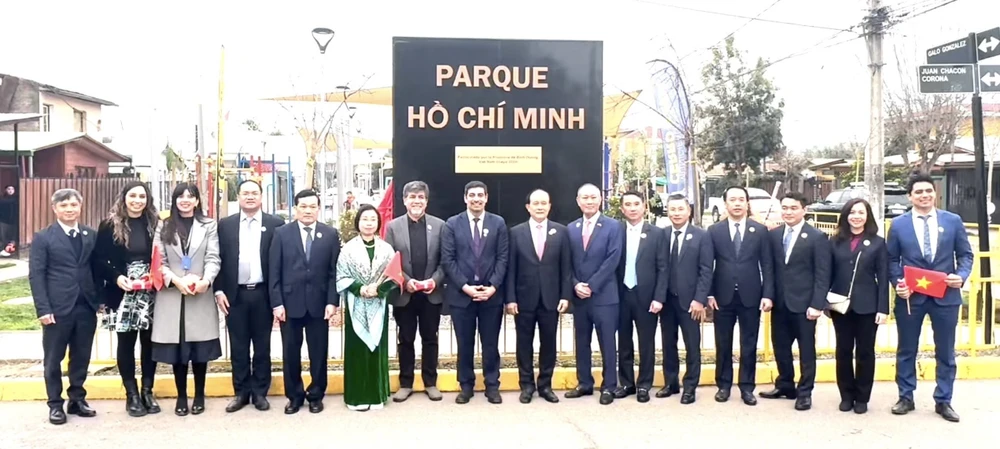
(17, 317)
(6, 265)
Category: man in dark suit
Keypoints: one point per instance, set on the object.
(417, 237)
(802, 279)
(302, 279)
(690, 278)
(742, 288)
(65, 295)
(538, 290)
(474, 253)
(642, 290)
(242, 295)
(931, 239)
(596, 245)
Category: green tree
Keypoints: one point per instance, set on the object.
(740, 121)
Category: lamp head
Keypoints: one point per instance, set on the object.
(322, 36)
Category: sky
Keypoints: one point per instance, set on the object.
(158, 61)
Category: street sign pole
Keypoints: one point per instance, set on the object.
(981, 213)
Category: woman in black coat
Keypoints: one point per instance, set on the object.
(856, 245)
(122, 254)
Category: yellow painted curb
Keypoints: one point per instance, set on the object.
(220, 384)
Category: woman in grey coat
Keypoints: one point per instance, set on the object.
(186, 328)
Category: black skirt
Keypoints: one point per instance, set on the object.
(186, 351)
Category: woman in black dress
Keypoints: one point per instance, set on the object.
(860, 271)
(187, 318)
(122, 258)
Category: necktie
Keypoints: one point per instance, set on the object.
(539, 241)
(738, 239)
(244, 263)
(675, 257)
(630, 253)
(309, 241)
(477, 235)
(586, 233)
(787, 241)
(927, 238)
(74, 238)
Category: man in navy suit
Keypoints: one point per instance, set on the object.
(596, 247)
(65, 296)
(931, 239)
(474, 255)
(689, 268)
(743, 287)
(302, 280)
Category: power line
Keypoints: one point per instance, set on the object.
(731, 33)
(724, 14)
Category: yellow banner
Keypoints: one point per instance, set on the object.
(481, 160)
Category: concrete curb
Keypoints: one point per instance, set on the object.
(220, 384)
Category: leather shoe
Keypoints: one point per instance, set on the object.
(260, 403)
(578, 393)
(778, 394)
(846, 406)
(623, 392)
(687, 397)
(292, 407)
(493, 396)
(526, 396)
(549, 396)
(149, 401)
(722, 395)
(463, 397)
(861, 408)
(607, 397)
(642, 395)
(315, 406)
(903, 406)
(198, 405)
(666, 392)
(81, 408)
(237, 404)
(748, 398)
(57, 416)
(946, 412)
(803, 403)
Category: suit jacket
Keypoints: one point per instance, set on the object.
(459, 260)
(953, 256)
(530, 279)
(304, 287)
(597, 264)
(57, 276)
(397, 235)
(694, 277)
(650, 265)
(871, 284)
(201, 315)
(752, 270)
(804, 281)
(229, 249)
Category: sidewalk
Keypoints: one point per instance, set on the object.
(19, 270)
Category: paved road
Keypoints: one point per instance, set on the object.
(581, 423)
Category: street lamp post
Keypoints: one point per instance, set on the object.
(323, 37)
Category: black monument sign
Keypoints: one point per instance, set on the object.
(515, 114)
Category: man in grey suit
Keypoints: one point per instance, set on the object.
(417, 237)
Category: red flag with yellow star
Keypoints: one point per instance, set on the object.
(394, 270)
(925, 282)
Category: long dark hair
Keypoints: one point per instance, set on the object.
(118, 218)
(172, 227)
(844, 227)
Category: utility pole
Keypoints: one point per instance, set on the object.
(875, 25)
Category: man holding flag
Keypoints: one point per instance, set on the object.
(929, 259)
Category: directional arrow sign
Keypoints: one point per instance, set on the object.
(989, 78)
(947, 79)
(961, 51)
(988, 43)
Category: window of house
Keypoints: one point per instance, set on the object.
(46, 117)
(86, 172)
(79, 121)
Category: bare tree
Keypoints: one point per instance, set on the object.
(792, 163)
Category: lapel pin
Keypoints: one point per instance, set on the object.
(486, 232)
(599, 224)
(84, 232)
(642, 236)
(940, 229)
(688, 237)
(552, 231)
(753, 229)
(319, 235)
(578, 224)
(428, 227)
(866, 243)
(804, 235)
(263, 229)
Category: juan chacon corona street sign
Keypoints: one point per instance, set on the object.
(947, 78)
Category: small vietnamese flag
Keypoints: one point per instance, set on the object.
(394, 270)
(155, 274)
(925, 282)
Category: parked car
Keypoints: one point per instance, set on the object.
(763, 207)
(895, 198)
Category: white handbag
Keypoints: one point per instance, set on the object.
(840, 303)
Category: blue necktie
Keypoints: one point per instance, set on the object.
(630, 277)
(787, 240)
(309, 241)
(738, 239)
(927, 239)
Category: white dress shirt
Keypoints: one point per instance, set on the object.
(481, 223)
(918, 227)
(796, 230)
(538, 237)
(250, 248)
(680, 240)
(66, 229)
(743, 229)
(303, 234)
